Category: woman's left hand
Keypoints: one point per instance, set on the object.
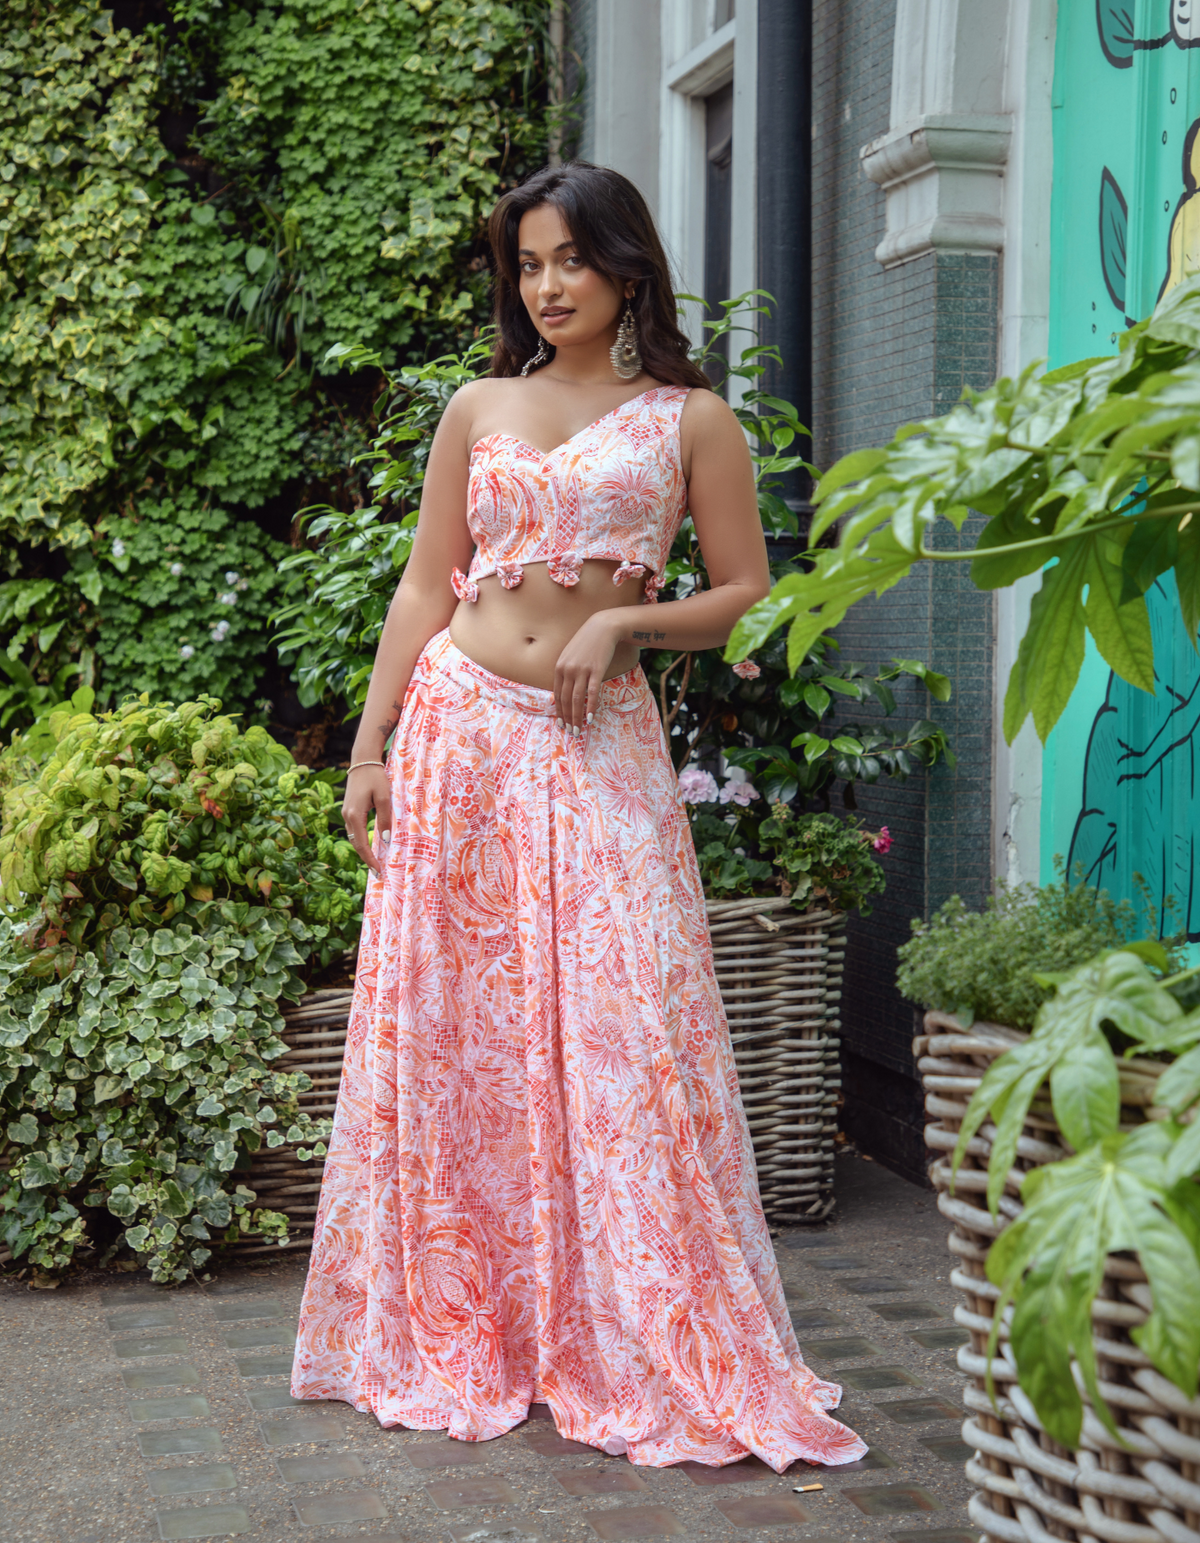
(581, 669)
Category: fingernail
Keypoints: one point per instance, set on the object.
(575, 730)
(560, 723)
(590, 717)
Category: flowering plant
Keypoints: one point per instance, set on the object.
(743, 850)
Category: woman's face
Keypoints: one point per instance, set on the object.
(568, 302)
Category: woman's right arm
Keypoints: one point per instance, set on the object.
(422, 605)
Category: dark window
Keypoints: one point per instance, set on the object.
(718, 208)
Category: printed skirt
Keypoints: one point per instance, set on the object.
(540, 1185)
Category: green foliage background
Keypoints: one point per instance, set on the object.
(164, 880)
(189, 217)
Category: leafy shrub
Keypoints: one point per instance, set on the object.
(985, 964)
(378, 220)
(159, 310)
(137, 815)
(811, 858)
(79, 144)
(824, 858)
(187, 592)
(134, 1084)
(164, 878)
(339, 591)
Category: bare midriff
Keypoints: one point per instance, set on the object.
(519, 633)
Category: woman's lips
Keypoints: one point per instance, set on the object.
(552, 318)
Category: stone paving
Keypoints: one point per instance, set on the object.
(132, 1414)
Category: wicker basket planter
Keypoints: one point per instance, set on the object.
(780, 974)
(1028, 1489)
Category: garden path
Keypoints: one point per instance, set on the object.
(132, 1414)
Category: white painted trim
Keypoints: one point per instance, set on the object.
(743, 264)
(1024, 337)
(681, 174)
(708, 67)
(942, 161)
(689, 75)
(625, 70)
(944, 180)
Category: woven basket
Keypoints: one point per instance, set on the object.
(780, 973)
(1028, 1489)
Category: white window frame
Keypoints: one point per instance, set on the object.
(690, 74)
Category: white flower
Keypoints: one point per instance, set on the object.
(186, 651)
(118, 548)
(242, 584)
(219, 630)
(738, 791)
(231, 577)
(227, 598)
(697, 787)
(176, 570)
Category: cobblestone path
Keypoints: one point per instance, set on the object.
(132, 1414)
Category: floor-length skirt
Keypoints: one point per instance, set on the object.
(540, 1184)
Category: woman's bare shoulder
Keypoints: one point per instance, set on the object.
(704, 411)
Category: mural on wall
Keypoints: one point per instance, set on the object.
(1121, 800)
(1118, 31)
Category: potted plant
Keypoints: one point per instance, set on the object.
(1068, 1156)
(1081, 1266)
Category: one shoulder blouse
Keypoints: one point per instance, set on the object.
(614, 491)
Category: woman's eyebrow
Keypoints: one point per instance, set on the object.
(527, 251)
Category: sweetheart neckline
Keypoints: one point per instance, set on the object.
(546, 454)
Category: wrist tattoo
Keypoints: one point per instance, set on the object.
(649, 637)
(390, 722)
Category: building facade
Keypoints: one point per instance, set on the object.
(921, 184)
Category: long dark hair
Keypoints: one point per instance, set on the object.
(614, 233)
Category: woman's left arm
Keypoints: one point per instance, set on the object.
(724, 507)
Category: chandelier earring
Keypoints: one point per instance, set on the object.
(626, 360)
(538, 359)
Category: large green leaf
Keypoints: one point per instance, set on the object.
(1086, 1092)
(1115, 1196)
(1068, 1033)
(1120, 627)
(1187, 575)
(1051, 652)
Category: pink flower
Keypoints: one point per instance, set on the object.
(883, 842)
(697, 787)
(747, 669)
(735, 792)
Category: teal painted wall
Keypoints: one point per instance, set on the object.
(1120, 791)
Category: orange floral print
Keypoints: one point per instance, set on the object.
(540, 1184)
(613, 491)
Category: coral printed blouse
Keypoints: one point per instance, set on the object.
(613, 491)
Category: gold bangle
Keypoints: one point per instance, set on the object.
(356, 764)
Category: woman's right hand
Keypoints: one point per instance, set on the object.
(367, 788)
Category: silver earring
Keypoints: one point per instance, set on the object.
(626, 360)
(543, 353)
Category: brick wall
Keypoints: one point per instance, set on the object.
(891, 347)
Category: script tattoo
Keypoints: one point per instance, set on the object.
(649, 637)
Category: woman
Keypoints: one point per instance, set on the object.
(540, 1185)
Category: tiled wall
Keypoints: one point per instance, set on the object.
(891, 347)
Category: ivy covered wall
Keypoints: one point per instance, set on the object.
(196, 200)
